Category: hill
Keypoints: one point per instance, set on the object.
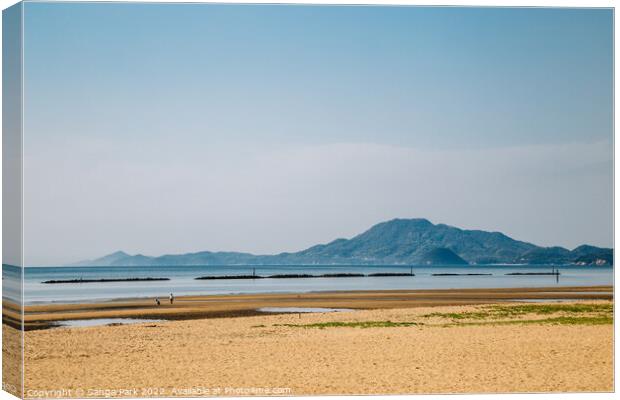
(399, 241)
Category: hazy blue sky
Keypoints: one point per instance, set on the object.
(157, 128)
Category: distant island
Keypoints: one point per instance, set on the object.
(395, 242)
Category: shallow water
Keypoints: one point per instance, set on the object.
(81, 323)
(182, 280)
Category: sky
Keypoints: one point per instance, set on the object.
(172, 128)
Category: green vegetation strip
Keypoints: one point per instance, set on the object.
(361, 324)
(553, 308)
(547, 321)
(569, 314)
(500, 311)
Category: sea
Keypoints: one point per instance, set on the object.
(182, 280)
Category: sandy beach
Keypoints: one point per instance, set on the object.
(480, 347)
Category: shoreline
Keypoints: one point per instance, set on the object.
(43, 316)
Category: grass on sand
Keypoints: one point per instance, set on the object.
(557, 314)
(511, 311)
(361, 324)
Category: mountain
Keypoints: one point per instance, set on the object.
(399, 241)
(588, 255)
(408, 240)
(110, 259)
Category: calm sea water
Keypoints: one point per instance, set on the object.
(182, 280)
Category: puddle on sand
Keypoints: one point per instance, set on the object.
(80, 323)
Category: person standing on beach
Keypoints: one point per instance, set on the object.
(171, 298)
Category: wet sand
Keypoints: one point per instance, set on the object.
(213, 306)
(420, 350)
